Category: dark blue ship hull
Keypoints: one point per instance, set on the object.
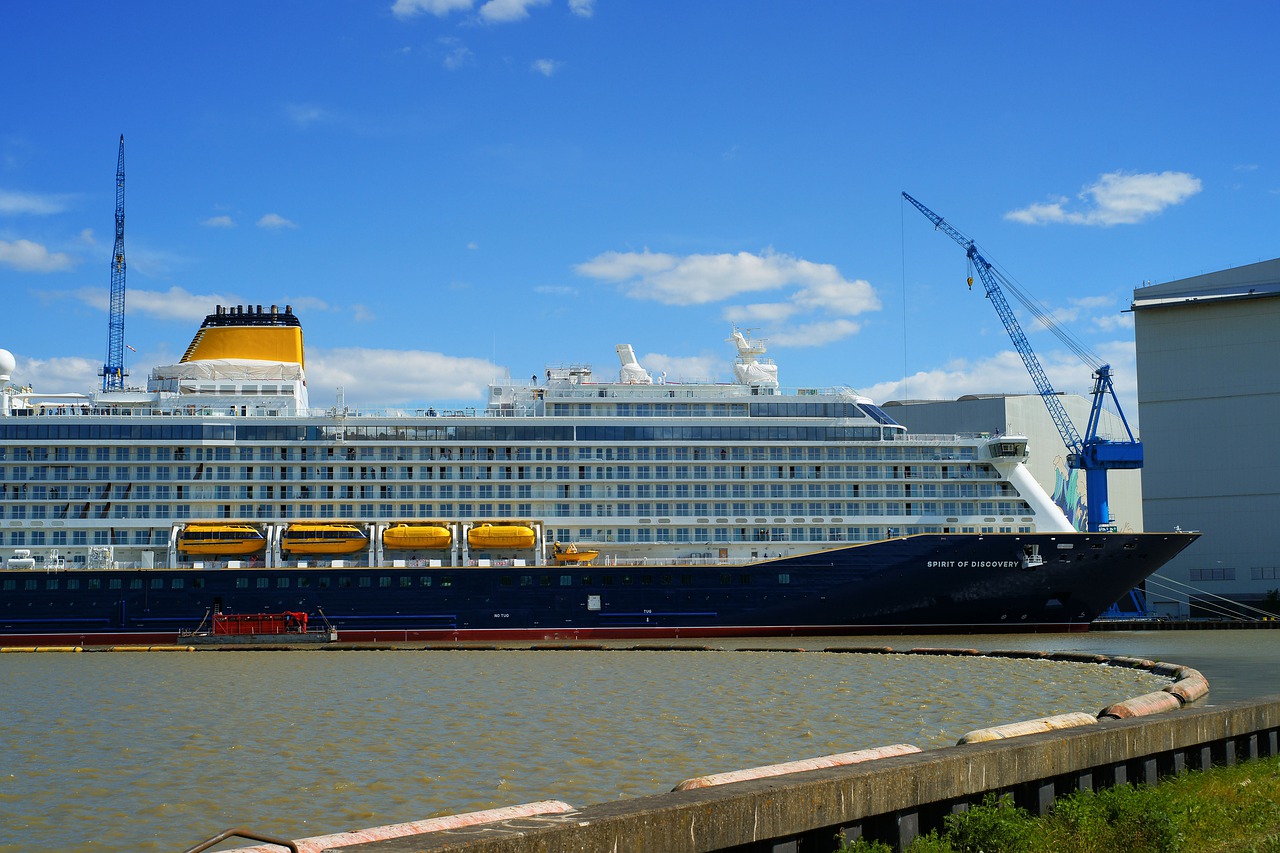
(924, 583)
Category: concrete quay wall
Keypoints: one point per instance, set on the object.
(891, 799)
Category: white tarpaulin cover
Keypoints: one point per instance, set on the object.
(233, 369)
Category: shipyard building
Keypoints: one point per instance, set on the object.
(1207, 350)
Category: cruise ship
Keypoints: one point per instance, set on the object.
(571, 506)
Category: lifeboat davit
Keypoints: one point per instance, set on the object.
(565, 554)
(490, 536)
(221, 539)
(416, 537)
(324, 539)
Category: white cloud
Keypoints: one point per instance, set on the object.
(493, 11)
(57, 375)
(1004, 373)
(457, 54)
(439, 8)
(396, 377)
(32, 203)
(555, 290)
(700, 279)
(172, 304)
(219, 222)
(685, 368)
(1116, 198)
(275, 221)
(813, 334)
(1112, 322)
(27, 256)
(302, 304)
(759, 312)
(502, 11)
(305, 115)
(546, 67)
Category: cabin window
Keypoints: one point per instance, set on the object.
(566, 580)
(282, 583)
(425, 580)
(322, 582)
(52, 583)
(95, 583)
(405, 580)
(344, 583)
(384, 582)
(242, 583)
(10, 584)
(366, 582)
(447, 580)
(157, 583)
(30, 584)
(113, 583)
(505, 580)
(544, 580)
(176, 583)
(784, 578)
(526, 580)
(304, 582)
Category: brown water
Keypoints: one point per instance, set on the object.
(151, 752)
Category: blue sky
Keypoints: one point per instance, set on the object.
(450, 190)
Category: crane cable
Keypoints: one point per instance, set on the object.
(1046, 318)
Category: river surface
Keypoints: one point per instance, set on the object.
(156, 751)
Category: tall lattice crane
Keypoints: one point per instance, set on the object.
(113, 371)
(1092, 453)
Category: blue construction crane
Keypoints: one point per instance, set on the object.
(1092, 454)
(113, 371)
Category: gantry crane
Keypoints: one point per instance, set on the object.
(113, 371)
(1092, 454)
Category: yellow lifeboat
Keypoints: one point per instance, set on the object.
(324, 539)
(570, 554)
(416, 537)
(225, 539)
(488, 536)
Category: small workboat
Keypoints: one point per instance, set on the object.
(225, 539)
(286, 628)
(489, 536)
(319, 538)
(416, 537)
(570, 554)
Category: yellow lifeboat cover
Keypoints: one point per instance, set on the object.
(410, 537)
(500, 536)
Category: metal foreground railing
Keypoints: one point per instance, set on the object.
(242, 833)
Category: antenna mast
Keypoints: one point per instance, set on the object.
(113, 371)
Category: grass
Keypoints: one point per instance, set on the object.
(1223, 809)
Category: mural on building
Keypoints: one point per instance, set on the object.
(1069, 494)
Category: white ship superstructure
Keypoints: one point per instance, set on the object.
(635, 468)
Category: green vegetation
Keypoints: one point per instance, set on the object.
(1226, 808)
